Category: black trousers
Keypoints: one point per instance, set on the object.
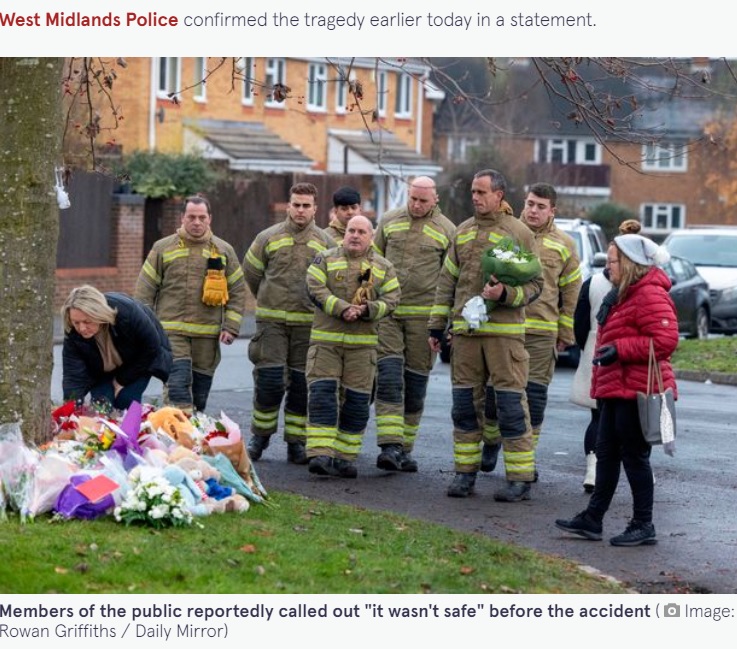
(620, 444)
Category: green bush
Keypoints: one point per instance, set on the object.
(163, 175)
(609, 216)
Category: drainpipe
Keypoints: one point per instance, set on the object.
(152, 108)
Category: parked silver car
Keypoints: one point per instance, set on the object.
(713, 250)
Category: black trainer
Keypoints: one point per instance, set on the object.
(513, 492)
(489, 456)
(257, 445)
(409, 464)
(344, 469)
(581, 525)
(296, 453)
(462, 485)
(390, 458)
(637, 533)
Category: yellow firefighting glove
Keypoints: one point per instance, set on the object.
(215, 287)
(363, 292)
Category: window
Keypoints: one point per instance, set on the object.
(663, 216)
(246, 68)
(276, 72)
(168, 75)
(460, 148)
(403, 105)
(665, 156)
(381, 91)
(572, 151)
(200, 72)
(317, 77)
(342, 93)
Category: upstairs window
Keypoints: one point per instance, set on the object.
(200, 72)
(665, 156)
(317, 78)
(276, 72)
(662, 217)
(168, 76)
(403, 104)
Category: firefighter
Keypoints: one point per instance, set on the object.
(549, 319)
(353, 288)
(493, 352)
(275, 266)
(194, 283)
(346, 204)
(415, 238)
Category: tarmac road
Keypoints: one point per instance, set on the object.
(695, 491)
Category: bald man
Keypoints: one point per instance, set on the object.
(353, 288)
(415, 239)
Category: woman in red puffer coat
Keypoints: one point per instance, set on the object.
(636, 311)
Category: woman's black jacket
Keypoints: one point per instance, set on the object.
(137, 335)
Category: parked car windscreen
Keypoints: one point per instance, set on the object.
(705, 249)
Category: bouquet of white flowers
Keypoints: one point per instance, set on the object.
(154, 501)
(510, 264)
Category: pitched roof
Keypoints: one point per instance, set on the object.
(246, 145)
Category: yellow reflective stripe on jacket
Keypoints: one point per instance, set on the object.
(341, 264)
(440, 310)
(396, 227)
(451, 267)
(376, 248)
(149, 270)
(465, 237)
(566, 321)
(391, 285)
(434, 234)
(235, 276)
(316, 245)
(254, 261)
(330, 305)
(191, 328)
(283, 242)
(233, 316)
(317, 274)
(294, 317)
(519, 297)
(378, 273)
(412, 310)
(558, 247)
(502, 328)
(170, 256)
(320, 335)
(543, 325)
(494, 237)
(570, 278)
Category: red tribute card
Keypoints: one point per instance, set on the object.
(97, 488)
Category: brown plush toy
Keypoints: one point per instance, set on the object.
(174, 423)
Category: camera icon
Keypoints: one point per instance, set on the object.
(672, 610)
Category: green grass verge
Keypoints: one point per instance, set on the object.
(295, 546)
(715, 355)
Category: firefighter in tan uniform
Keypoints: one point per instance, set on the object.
(194, 283)
(492, 354)
(353, 288)
(549, 319)
(346, 204)
(275, 266)
(415, 238)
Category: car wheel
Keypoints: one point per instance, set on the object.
(702, 324)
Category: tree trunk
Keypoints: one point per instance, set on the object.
(30, 136)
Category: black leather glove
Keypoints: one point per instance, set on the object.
(606, 355)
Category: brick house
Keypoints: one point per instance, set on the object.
(657, 168)
(269, 121)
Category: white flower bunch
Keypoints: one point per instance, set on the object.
(510, 256)
(153, 501)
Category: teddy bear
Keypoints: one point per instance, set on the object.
(215, 497)
(174, 423)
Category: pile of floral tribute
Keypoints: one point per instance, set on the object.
(150, 466)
